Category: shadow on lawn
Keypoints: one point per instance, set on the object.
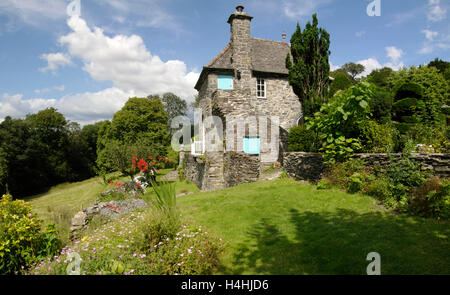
(338, 243)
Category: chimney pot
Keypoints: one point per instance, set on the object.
(284, 36)
(239, 8)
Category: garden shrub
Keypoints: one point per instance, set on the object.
(436, 136)
(338, 123)
(22, 239)
(381, 106)
(348, 174)
(379, 138)
(408, 89)
(301, 139)
(431, 199)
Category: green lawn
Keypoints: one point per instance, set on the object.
(284, 227)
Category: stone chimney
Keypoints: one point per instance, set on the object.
(240, 43)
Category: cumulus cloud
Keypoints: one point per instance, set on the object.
(16, 106)
(84, 108)
(54, 61)
(123, 60)
(126, 62)
(393, 53)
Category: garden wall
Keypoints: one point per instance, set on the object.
(309, 166)
(241, 168)
(194, 169)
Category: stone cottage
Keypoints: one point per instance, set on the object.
(248, 78)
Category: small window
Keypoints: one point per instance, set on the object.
(251, 145)
(225, 82)
(260, 88)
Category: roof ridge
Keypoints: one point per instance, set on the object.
(281, 42)
(219, 55)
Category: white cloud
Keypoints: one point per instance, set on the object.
(126, 62)
(436, 12)
(433, 41)
(430, 35)
(123, 60)
(54, 61)
(33, 12)
(393, 53)
(16, 106)
(369, 64)
(84, 108)
(333, 67)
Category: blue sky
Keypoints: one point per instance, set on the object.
(88, 66)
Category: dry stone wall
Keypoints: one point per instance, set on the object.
(309, 166)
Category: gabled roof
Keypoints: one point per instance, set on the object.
(267, 56)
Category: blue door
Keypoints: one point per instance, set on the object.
(225, 82)
(251, 145)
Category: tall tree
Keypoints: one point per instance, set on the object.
(308, 63)
(353, 69)
(138, 129)
(380, 77)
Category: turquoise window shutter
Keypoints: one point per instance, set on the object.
(225, 82)
(251, 145)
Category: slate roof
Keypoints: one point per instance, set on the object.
(267, 56)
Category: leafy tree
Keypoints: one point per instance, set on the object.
(353, 69)
(339, 123)
(342, 81)
(439, 64)
(435, 89)
(141, 125)
(308, 63)
(173, 105)
(380, 77)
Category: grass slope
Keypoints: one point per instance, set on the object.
(284, 227)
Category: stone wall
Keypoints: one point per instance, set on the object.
(241, 168)
(194, 169)
(303, 166)
(309, 166)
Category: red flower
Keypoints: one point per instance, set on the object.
(159, 159)
(154, 163)
(167, 160)
(135, 157)
(110, 181)
(150, 157)
(158, 170)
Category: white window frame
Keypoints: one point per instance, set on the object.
(265, 88)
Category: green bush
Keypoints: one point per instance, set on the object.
(408, 89)
(379, 138)
(436, 136)
(22, 240)
(431, 199)
(300, 139)
(381, 106)
(341, 174)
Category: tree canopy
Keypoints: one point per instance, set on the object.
(308, 62)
